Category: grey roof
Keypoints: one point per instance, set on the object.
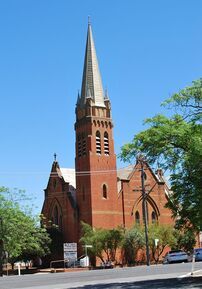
(123, 173)
(91, 82)
(69, 176)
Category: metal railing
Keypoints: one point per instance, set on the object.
(58, 261)
(66, 263)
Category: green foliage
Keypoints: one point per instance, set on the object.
(21, 233)
(106, 242)
(111, 242)
(92, 237)
(186, 240)
(166, 237)
(133, 241)
(175, 144)
(188, 101)
(102, 241)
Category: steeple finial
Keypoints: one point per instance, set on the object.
(55, 157)
(78, 98)
(89, 20)
(106, 94)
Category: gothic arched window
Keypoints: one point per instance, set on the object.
(98, 143)
(104, 191)
(137, 217)
(106, 143)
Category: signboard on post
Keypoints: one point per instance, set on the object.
(70, 251)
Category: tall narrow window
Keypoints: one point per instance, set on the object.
(54, 184)
(60, 222)
(104, 191)
(153, 217)
(56, 215)
(98, 143)
(79, 146)
(106, 143)
(83, 145)
(137, 217)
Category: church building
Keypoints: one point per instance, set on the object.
(96, 192)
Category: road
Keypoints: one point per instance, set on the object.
(155, 276)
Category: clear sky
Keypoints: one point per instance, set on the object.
(147, 50)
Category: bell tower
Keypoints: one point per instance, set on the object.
(96, 175)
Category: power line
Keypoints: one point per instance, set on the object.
(90, 172)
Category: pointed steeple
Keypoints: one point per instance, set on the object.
(91, 82)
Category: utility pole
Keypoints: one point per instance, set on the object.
(144, 206)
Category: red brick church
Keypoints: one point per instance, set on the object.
(96, 192)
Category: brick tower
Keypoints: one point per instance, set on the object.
(96, 175)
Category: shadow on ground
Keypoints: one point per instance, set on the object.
(185, 283)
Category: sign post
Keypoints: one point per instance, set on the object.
(86, 254)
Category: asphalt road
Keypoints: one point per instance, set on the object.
(156, 276)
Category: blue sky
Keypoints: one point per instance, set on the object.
(147, 50)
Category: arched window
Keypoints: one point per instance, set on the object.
(55, 217)
(153, 217)
(104, 191)
(98, 143)
(106, 143)
(79, 146)
(137, 217)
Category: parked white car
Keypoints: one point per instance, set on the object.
(175, 256)
(198, 254)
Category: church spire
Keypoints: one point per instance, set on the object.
(91, 82)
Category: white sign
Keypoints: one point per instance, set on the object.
(70, 251)
(70, 256)
(69, 247)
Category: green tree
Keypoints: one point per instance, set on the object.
(186, 240)
(133, 241)
(175, 143)
(111, 241)
(105, 242)
(188, 101)
(165, 236)
(94, 238)
(20, 233)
